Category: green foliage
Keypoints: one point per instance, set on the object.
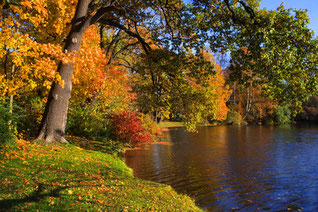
(8, 123)
(234, 117)
(281, 54)
(33, 108)
(169, 83)
(283, 114)
(310, 109)
(148, 123)
(6, 132)
(88, 122)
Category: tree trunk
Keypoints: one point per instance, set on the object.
(55, 115)
(11, 98)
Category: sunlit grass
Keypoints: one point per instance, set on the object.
(167, 124)
(54, 178)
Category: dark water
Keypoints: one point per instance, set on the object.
(237, 168)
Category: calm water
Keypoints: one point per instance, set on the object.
(237, 168)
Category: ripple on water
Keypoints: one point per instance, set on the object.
(237, 168)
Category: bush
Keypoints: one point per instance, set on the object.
(310, 109)
(234, 117)
(149, 124)
(6, 130)
(128, 128)
(88, 123)
(283, 114)
(33, 109)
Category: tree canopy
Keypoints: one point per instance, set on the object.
(154, 52)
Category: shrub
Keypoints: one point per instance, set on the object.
(310, 109)
(128, 128)
(283, 114)
(88, 123)
(6, 130)
(234, 117)
(29, 123)
(149, 124)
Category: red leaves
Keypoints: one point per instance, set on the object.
(127, 127)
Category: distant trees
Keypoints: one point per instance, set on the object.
(280, 55)
(310, 109)
(181, 85)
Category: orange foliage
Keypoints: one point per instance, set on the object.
(219, 92)
(95, 78)
(31, 39)
(33, 42)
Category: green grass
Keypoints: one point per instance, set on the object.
(55, 178)
(167, 124)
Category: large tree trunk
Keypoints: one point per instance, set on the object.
(54, 118)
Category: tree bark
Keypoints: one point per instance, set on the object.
(53, 123)
(11, 97)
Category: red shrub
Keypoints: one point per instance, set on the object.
(127, 128)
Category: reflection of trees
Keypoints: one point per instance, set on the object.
(248, 160)
(148, 163)
(219, 166)
(296, 162)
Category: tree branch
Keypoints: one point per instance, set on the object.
(113, 23)
(233, 15)
(114, 56)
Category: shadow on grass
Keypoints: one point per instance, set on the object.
(47, 190)
(107, 146)
(39, 193)
(36, 196)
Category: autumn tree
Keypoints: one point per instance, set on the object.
(98, 80)
(226, 24)
(166, 81)
(118, 14)
(282, 48)
(280, 57)
(189, 87)
(31, 36)
(310, 110)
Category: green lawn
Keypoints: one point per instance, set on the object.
(167, 124)
(54, 178)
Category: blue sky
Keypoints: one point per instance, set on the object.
(310, 5)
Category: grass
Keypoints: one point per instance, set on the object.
(167, 124)
(55, 178)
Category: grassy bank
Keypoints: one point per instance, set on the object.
(54, 178)
(167, 124)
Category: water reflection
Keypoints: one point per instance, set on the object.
(237, 168)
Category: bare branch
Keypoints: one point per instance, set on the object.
(124, 65)
(114, 56)
(114, 39)
(113, 23)
(248, 9)
(233, 15)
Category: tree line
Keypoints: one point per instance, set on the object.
(74, 60)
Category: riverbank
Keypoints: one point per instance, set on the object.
(55, 178)
(170, 124)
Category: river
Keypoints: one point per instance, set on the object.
(233, 168)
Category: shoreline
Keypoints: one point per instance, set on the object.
(36, 177)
